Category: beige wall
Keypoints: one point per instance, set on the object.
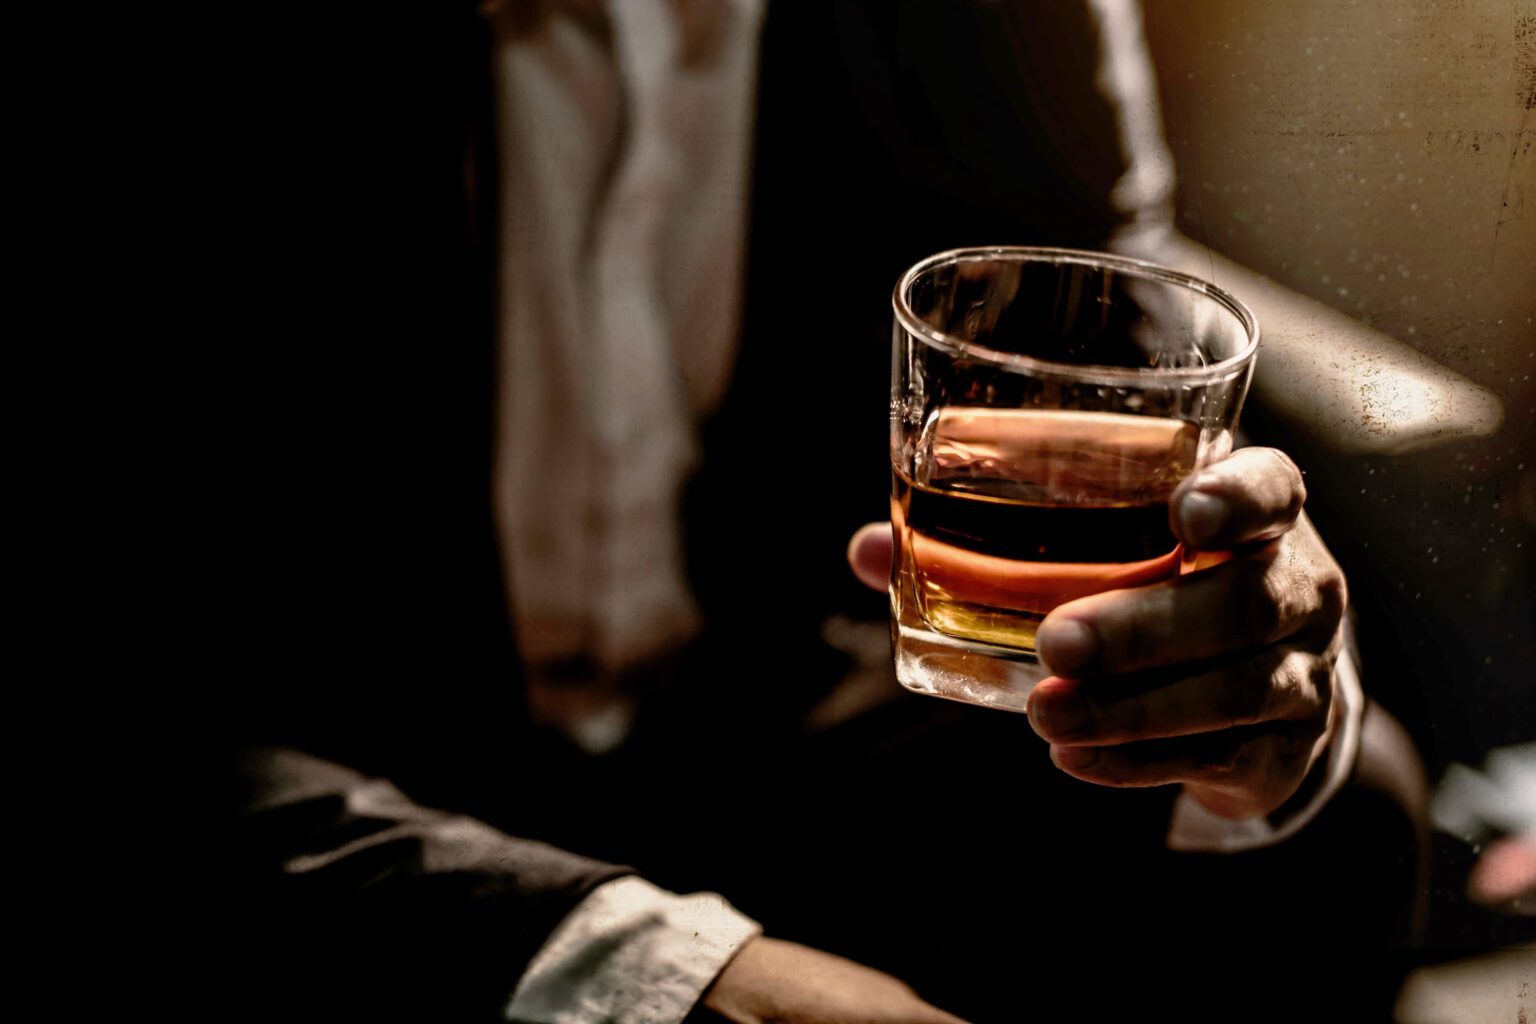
(1379, 155)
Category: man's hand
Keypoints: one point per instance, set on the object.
(772, 980)
(1222, 679)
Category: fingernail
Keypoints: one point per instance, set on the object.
(1075, 758)
(1061, 717)
(1065, 644)
(1201, 516)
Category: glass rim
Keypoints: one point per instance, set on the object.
(1092, 372)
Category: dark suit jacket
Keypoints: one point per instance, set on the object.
(363, 619)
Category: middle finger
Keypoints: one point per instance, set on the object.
(1280, 683)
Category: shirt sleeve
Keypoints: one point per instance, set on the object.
(630, 953)
(1195, 829)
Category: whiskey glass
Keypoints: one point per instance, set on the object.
(1044, 405)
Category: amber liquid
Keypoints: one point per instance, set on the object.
(1013, 512)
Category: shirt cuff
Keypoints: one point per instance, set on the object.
(630, 953)
(1196, 830)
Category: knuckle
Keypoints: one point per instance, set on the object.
(1268, 592)
(1295, 482)
(1291, 693)
(1332, 594)
(1243, 701)
(1292, 593)
(1320, 686)
(1288, 686)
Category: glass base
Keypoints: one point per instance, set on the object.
(974, 673)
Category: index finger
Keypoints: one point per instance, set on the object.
(1254, 494)
(1262, 596)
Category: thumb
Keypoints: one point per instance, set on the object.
(870, 553)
